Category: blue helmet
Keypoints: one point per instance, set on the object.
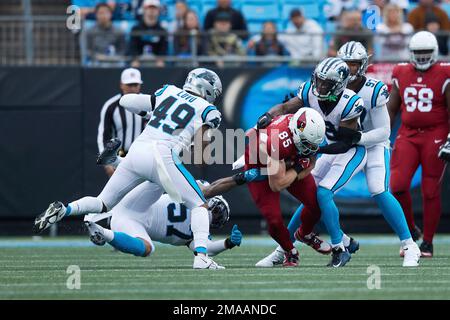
(330, 78)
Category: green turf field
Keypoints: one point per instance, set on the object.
(39, 272)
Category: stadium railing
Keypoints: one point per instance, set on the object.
(46, 40)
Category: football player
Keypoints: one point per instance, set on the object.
(179, 116)
(342, 158)
(294, 138)
(421, 93)
(136, 221)
(375, 131)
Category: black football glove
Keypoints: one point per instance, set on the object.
(264, 121)
(444, 150)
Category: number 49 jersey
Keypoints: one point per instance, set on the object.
(422, 94)
(177, 115)
(349, 106)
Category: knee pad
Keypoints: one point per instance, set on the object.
(431, 188)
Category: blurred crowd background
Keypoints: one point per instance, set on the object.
(218, 32)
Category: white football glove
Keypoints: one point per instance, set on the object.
(444, 150)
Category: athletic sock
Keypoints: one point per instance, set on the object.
(128, 244)
(84, 206)
(330, 214)
(393, 213)
(345, 239)
(338, 245)
(407, 242)
(431, 216)
(200, 229)
(295, 223)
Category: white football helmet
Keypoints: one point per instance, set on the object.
(330, 78)
(354, 51)
(308, 130)
(204, 83)
(423, 49)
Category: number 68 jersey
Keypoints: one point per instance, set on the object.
(177, 115)
(422, 94)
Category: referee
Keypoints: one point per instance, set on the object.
(116, 122)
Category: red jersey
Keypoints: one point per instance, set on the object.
(278, 139)
(422, 94)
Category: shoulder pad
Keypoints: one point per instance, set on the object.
(353, 108)
(303, 92)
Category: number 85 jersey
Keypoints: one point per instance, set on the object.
(177, 115)
(422, 94)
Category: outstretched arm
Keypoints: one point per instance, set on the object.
(140, 104)
(291, 106)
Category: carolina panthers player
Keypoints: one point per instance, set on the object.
(341, 108)
(165, 221)
(179, 116)
(375, 131)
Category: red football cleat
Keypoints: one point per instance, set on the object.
(314, 242)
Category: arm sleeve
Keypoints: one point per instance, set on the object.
(303, 92)
(140, 104)
(211, 117)
(381, 122)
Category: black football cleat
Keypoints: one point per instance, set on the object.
(426, 249)
(109, 154)
(291, 259)
(353, 246)
(339, 258)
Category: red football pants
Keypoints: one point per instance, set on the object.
(268, 202)
(414, 147)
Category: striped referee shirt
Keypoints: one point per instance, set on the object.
(116, 122)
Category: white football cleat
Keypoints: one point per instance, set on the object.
(205, 262)
(411, 255)
(401, 252)
(95, 232)
(54, 213)
(274, 259)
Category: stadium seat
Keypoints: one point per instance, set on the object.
(261, 11)
(254, 26)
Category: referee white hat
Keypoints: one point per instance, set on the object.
(131, 75)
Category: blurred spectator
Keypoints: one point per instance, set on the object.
(148, 38)
(394, 33)
(184, 37)
(221, 41)
(104, 38)
(429, 16)
(268, 44)
(181, 9)
(350, 29)
(237, 19)
(304, 37)
(334, 8)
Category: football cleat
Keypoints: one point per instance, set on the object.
(276, 258)
(426, 249)
(54, 213)
(411, 255)
(291, 258)
(109, 154)
(353, 246)
(205, 262)
(339, 257)
(416, 234)
(314, 242)
(96, 233)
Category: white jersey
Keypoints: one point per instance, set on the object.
(177, 115)
(375, 95)
(348, 107)
(163, 220)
